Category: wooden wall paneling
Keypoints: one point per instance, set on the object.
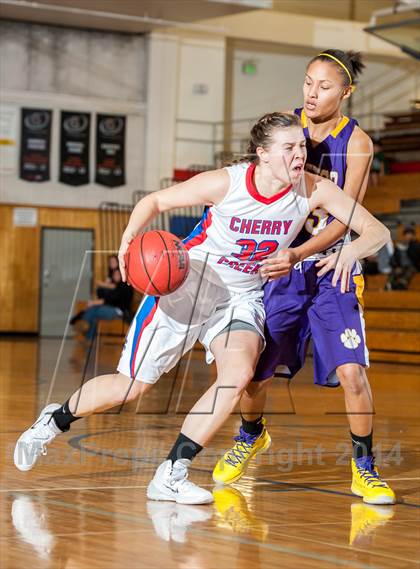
(19, 285)
(20, 248)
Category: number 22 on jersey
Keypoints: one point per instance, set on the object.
(251, 250)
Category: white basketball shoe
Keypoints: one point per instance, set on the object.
(33, 442)
(170, 482)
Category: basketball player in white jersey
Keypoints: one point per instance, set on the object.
(254, 210)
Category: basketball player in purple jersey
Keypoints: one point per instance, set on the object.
(303, 303)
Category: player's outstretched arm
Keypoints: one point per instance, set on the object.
(372, 233)
(207, 188)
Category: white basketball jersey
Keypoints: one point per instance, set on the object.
(234, 236)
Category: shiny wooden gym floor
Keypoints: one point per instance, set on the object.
(84, 505)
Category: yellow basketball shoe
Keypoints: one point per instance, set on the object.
(365, 520)
(368, 484)
(235, 461)
(234, 513)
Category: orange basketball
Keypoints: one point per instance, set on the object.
(157, 263)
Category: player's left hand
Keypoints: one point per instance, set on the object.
(126, 239)
(342, 263)
(280, 265)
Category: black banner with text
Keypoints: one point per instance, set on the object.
(110, 150)
(74, 148)
(35, 144)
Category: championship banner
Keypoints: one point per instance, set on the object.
(74, 148)
(35, 145)
(110, 150)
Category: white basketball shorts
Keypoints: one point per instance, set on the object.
(165, 328)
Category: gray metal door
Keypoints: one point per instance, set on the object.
(64, 269)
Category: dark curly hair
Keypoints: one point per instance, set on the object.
(352, 61)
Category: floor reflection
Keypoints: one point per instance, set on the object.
(171, 521)
(234, 513)
(29, 518)
(366, 519)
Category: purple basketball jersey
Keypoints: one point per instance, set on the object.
(329, 160)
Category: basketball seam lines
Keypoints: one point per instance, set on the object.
(168, 259)
(145, 266)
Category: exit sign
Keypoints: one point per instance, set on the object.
(249, 67)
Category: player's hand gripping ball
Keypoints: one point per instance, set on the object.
(157, 263)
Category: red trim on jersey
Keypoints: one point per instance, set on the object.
(252, 189)
(202, 235)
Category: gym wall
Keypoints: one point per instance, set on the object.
(74, 70)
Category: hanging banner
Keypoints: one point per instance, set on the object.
(74, 148)
(110, 150)
(35, 144)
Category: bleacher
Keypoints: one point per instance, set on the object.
(393, 317)
(400, 133)
(393, 325)
(378, 282)
(387, 197)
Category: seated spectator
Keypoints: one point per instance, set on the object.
(112, 266)
(102, 287)
(405, 260)
(114, 304)
(384, 257)
(407, 253)
(413, 247)
(397, 280)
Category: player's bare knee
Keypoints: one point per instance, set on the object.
(254, 388)
(352, 379)
(243, 377)
(236, 381)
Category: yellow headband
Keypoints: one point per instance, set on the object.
(341, 64)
